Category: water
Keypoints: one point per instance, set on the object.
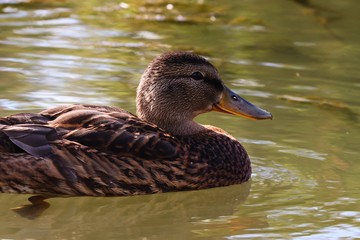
(299, 62)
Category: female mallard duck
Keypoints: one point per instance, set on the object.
(106, 151)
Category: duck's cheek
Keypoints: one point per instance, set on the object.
(205, 109)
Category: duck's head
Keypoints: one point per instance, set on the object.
(178, 86)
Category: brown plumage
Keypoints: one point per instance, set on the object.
(106, 151)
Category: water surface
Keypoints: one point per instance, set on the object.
(301, 62)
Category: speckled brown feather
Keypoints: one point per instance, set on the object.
(106, 151)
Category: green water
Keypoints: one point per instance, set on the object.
(298, 61)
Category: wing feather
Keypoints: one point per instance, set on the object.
(106, 129)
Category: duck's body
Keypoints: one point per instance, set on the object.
(106, 151)
(93, 150)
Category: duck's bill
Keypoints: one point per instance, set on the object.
(234, 104)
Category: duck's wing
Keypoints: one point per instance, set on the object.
(113, 130)
(106, 129)
(85, 150)
(18, 130)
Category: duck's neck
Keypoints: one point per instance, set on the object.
(183, 128)
(177, 125)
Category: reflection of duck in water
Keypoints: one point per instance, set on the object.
(106, 151)
(135, 212)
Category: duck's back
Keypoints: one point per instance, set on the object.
(96, 150)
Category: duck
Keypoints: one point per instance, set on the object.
(93, 150)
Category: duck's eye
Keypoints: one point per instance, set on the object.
(197, 76)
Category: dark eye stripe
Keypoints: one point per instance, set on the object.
(212, 81)
(216, 83)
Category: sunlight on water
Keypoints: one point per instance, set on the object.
(269, 64)
(284, 149)
(305, 153)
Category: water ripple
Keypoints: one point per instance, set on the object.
(246, 83)
(305, 153)
(268, 64)
(12, 1)
(15, 13)
(46, 99)
(254, 93)
(44, 43)
(301, 152)
(11, 105)
(256, 141)
(339, 231)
